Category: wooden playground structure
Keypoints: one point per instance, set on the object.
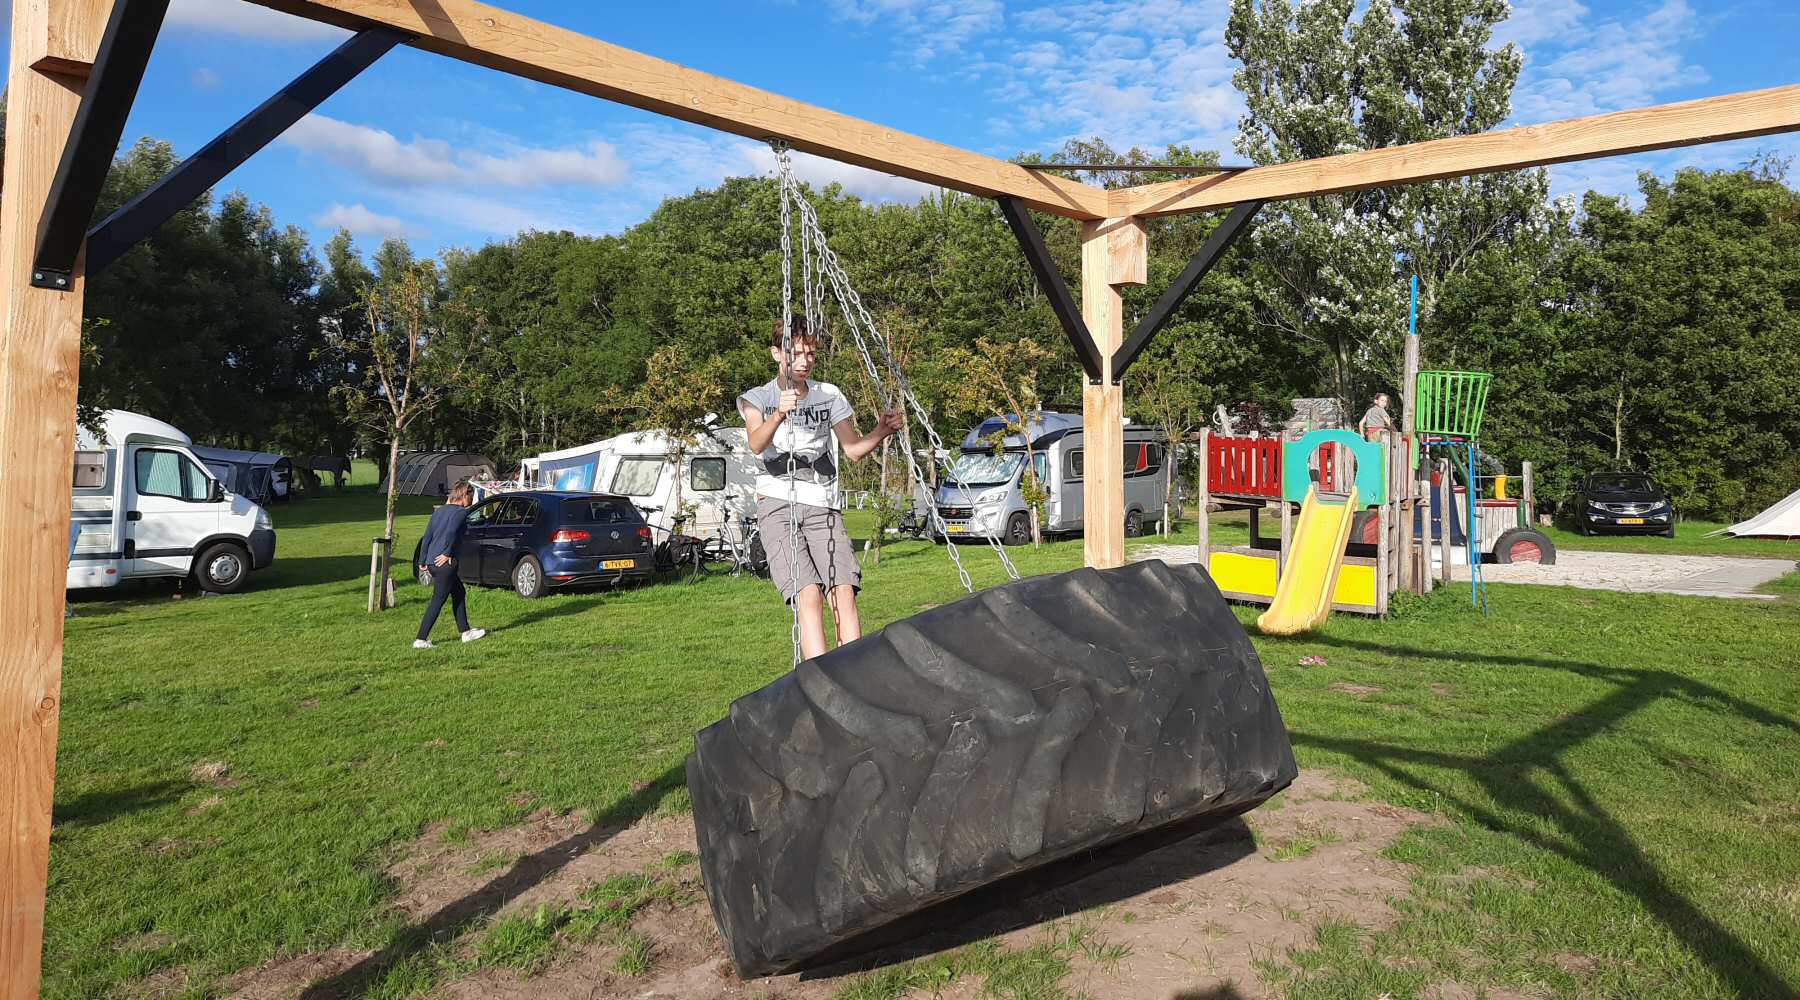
(74, 73)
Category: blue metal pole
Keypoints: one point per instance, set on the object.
(1412, 320)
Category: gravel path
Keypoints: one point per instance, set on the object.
(1630, 572)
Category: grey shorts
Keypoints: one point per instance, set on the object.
(823, 557)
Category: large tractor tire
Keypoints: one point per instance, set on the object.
(974, 741)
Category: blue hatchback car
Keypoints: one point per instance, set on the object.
(534, 540)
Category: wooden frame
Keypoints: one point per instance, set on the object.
(53, 47)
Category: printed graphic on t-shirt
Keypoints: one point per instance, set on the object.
(801, 461)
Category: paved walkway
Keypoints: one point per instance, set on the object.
(1630, 572)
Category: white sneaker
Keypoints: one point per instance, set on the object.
(473, 634)
(421, 643)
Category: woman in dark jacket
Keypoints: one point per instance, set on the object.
(437, 553)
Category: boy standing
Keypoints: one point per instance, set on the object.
(797, 424)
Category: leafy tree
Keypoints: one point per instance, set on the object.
(1001, 380)
(1319, 80)
(678, 392)
(409, 362)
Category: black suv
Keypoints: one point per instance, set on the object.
(1622, 503)
(534, 540)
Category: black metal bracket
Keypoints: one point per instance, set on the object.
(1235, 225)
(1031, 240)
(112, 86)
(141, 216)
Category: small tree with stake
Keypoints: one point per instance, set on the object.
(1001, 379)
(404, 357)
(678, 392)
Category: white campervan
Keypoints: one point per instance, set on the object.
(147, 506)
(718, 477)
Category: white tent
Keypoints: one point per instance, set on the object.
(1780, 521)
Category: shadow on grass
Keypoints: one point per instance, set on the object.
(1586, 833)
(95, 808)
(458, 916)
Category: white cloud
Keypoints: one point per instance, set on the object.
(378, 156)
(870, 185)
(204, 79)
(1535, 21)
(360, 220)
(927, 29)
(235, 17)
(1581, 68)
(1133, 72)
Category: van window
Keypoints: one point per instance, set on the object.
(706, 475)
(170, 474)
(90, 469)
(1142, 458)
(519, 510)
(599, 512)
(1072, 464)
(637, 475)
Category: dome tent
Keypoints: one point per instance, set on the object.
(432, 473)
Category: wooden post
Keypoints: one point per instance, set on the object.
(53, 42)
(1113, 253)
(1203, 500)
(1415, 560)
(1529, 488)
(1287, 536)
(1446, 537)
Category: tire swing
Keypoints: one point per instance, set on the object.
(976, 740)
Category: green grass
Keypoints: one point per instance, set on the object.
(1618, 772)
(1690, 540)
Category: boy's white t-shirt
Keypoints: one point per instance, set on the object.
(806, 435)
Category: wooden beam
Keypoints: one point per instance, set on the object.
(1713, 119)
(1113, 252)
(488, 36)
(40, 345)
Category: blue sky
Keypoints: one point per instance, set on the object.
(446, 154)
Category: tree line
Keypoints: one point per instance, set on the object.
(1663, 338)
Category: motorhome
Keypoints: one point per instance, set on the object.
(146, 506)
(717, 477)
(983, 492)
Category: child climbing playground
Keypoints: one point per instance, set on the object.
(795, 425)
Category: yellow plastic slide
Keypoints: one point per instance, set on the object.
(1308, 580)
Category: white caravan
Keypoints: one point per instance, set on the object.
(146, 506)
(718, 477)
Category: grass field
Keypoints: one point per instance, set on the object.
(1619, 773)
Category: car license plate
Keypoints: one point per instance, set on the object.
(956, 529)
(1631, 520)
(618, 564)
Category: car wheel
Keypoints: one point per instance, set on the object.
(528, 578)
(1669, 532)
(1524, 545)
(1018, 529)
(223, 568)
(1134, 524)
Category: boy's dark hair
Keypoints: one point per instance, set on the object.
(800, 332)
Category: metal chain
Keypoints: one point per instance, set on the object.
(787, 365)
(864, 332)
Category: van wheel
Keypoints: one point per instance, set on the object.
(1134, 524)
(1018, 529)
(223, 568)
(528, 578)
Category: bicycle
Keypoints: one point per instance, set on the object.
(721, 554)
